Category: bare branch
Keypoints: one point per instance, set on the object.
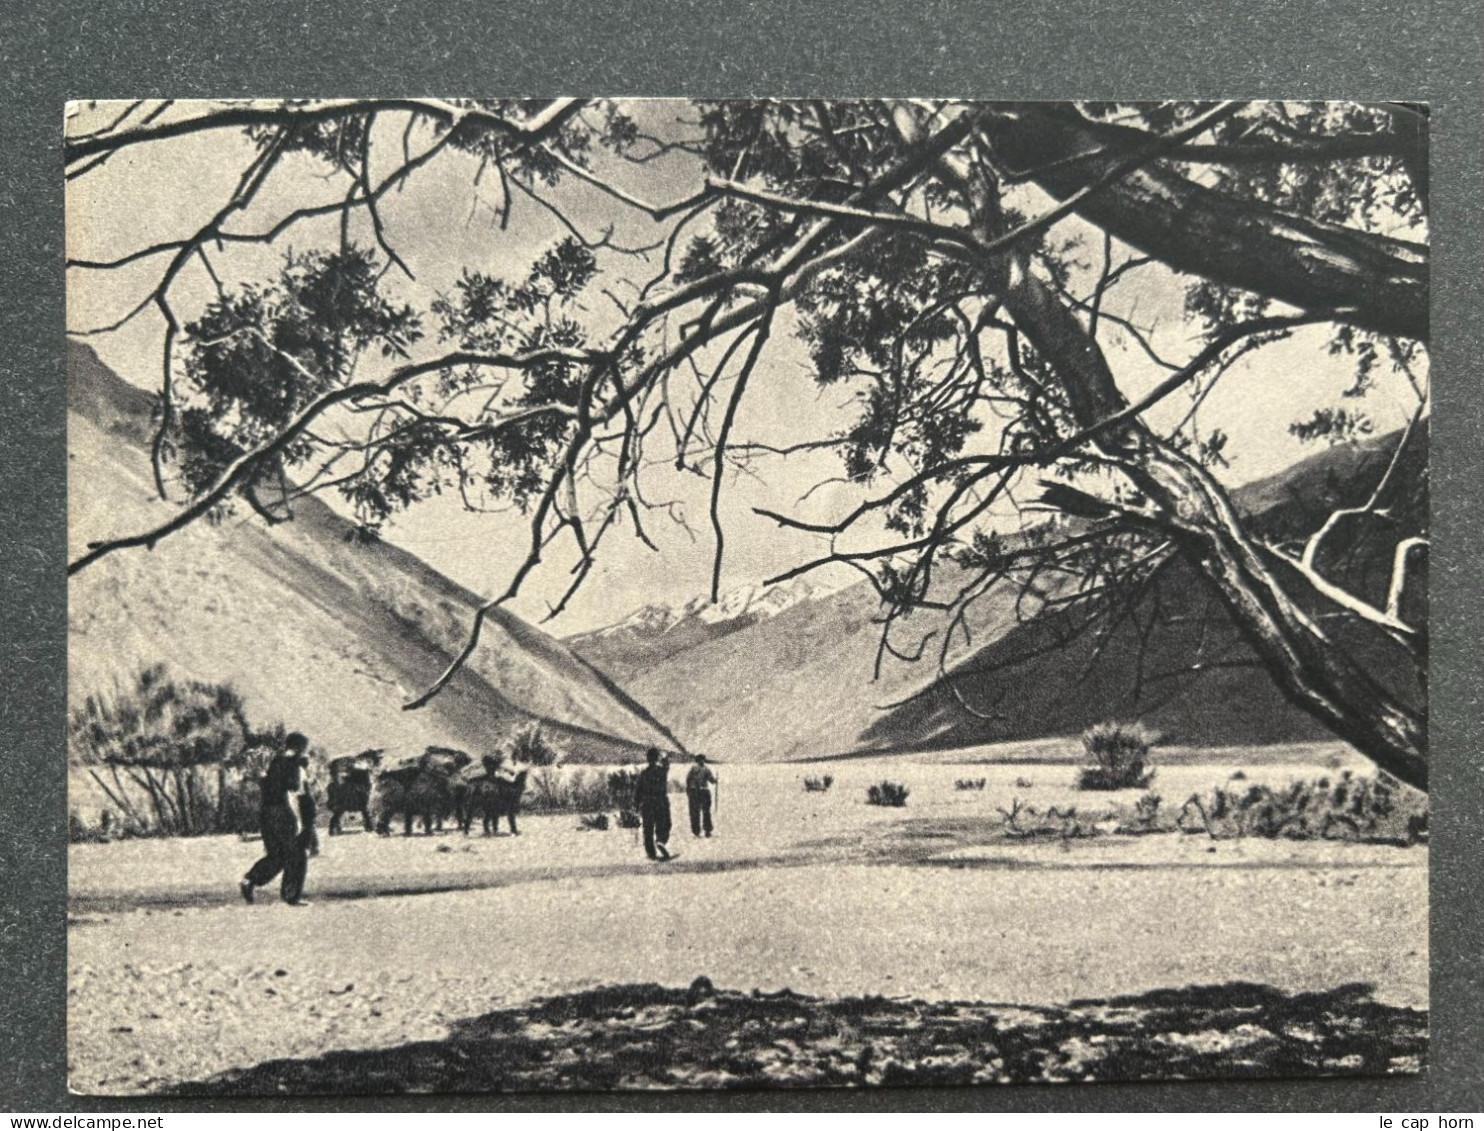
(292, 113)
(1401, 559)
(759, 340)
(1309, 557)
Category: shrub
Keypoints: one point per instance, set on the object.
(621, 785)
(1067, 824)
(172, 757)
(818, 785)
(1346, 808)
(628, 819)
(1024, 783)
(544, 790)
(531, 746)
(888, 793)
(1120, 755)
(593, 823)
(1145, 817)
(966, 784)
(550, 789)
(590, 793)
(80, 832)
(553, 789)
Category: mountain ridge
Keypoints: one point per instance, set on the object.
(331, 633)
(801, 683)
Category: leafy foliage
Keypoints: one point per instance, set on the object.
(488, 314)
(1333, 425)
(159, 723)
(258, 356)
(173, 757)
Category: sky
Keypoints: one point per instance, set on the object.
(448, 218)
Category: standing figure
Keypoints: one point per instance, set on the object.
(698, 783)
(287, 821)
(652, 799)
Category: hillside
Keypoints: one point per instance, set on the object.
(325, 633)
(800, 683)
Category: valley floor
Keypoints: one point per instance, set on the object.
(172, 979)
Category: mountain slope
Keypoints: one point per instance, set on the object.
(800, 683)
(325, 633)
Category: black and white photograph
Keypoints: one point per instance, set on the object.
(634, 594)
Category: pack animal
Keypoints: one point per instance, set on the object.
(491, 796)
(351, 787)
(427, 789)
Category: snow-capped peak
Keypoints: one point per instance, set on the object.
(755, 601)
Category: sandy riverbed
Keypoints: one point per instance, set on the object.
(173, 979)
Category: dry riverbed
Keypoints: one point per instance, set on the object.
(410, 941)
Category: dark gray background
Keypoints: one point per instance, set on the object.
(1137, 49)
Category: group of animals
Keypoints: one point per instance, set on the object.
(441, 784)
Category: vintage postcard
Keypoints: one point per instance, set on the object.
(647, 594)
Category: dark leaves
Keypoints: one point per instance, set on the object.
(1333, 425)
(259, 355)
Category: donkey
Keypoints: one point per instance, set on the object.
(351, 787)
(492, 796)
(428, 788)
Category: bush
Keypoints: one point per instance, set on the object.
(818, 785)
(80, 832)
(545, 790)
(1120, 754)
(888, 793)
(1145, 817)
(172, 757)
(1376, 809)
(593, 823)
(1066, 824)
(531, 746)
(966, 784)
(550, 789)
(588, 792)
(628, 819)
(553, 789)
(621, 785)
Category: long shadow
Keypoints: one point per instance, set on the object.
(896, 844)
(650, 1036)
(909, 842)
(336, 888)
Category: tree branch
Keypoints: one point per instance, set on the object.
(242, 469)
(299, 113)
(1381, 282)
(759, 340)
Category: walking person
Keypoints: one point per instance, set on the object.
(698, 783)
(652, 799)
(287, 820)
